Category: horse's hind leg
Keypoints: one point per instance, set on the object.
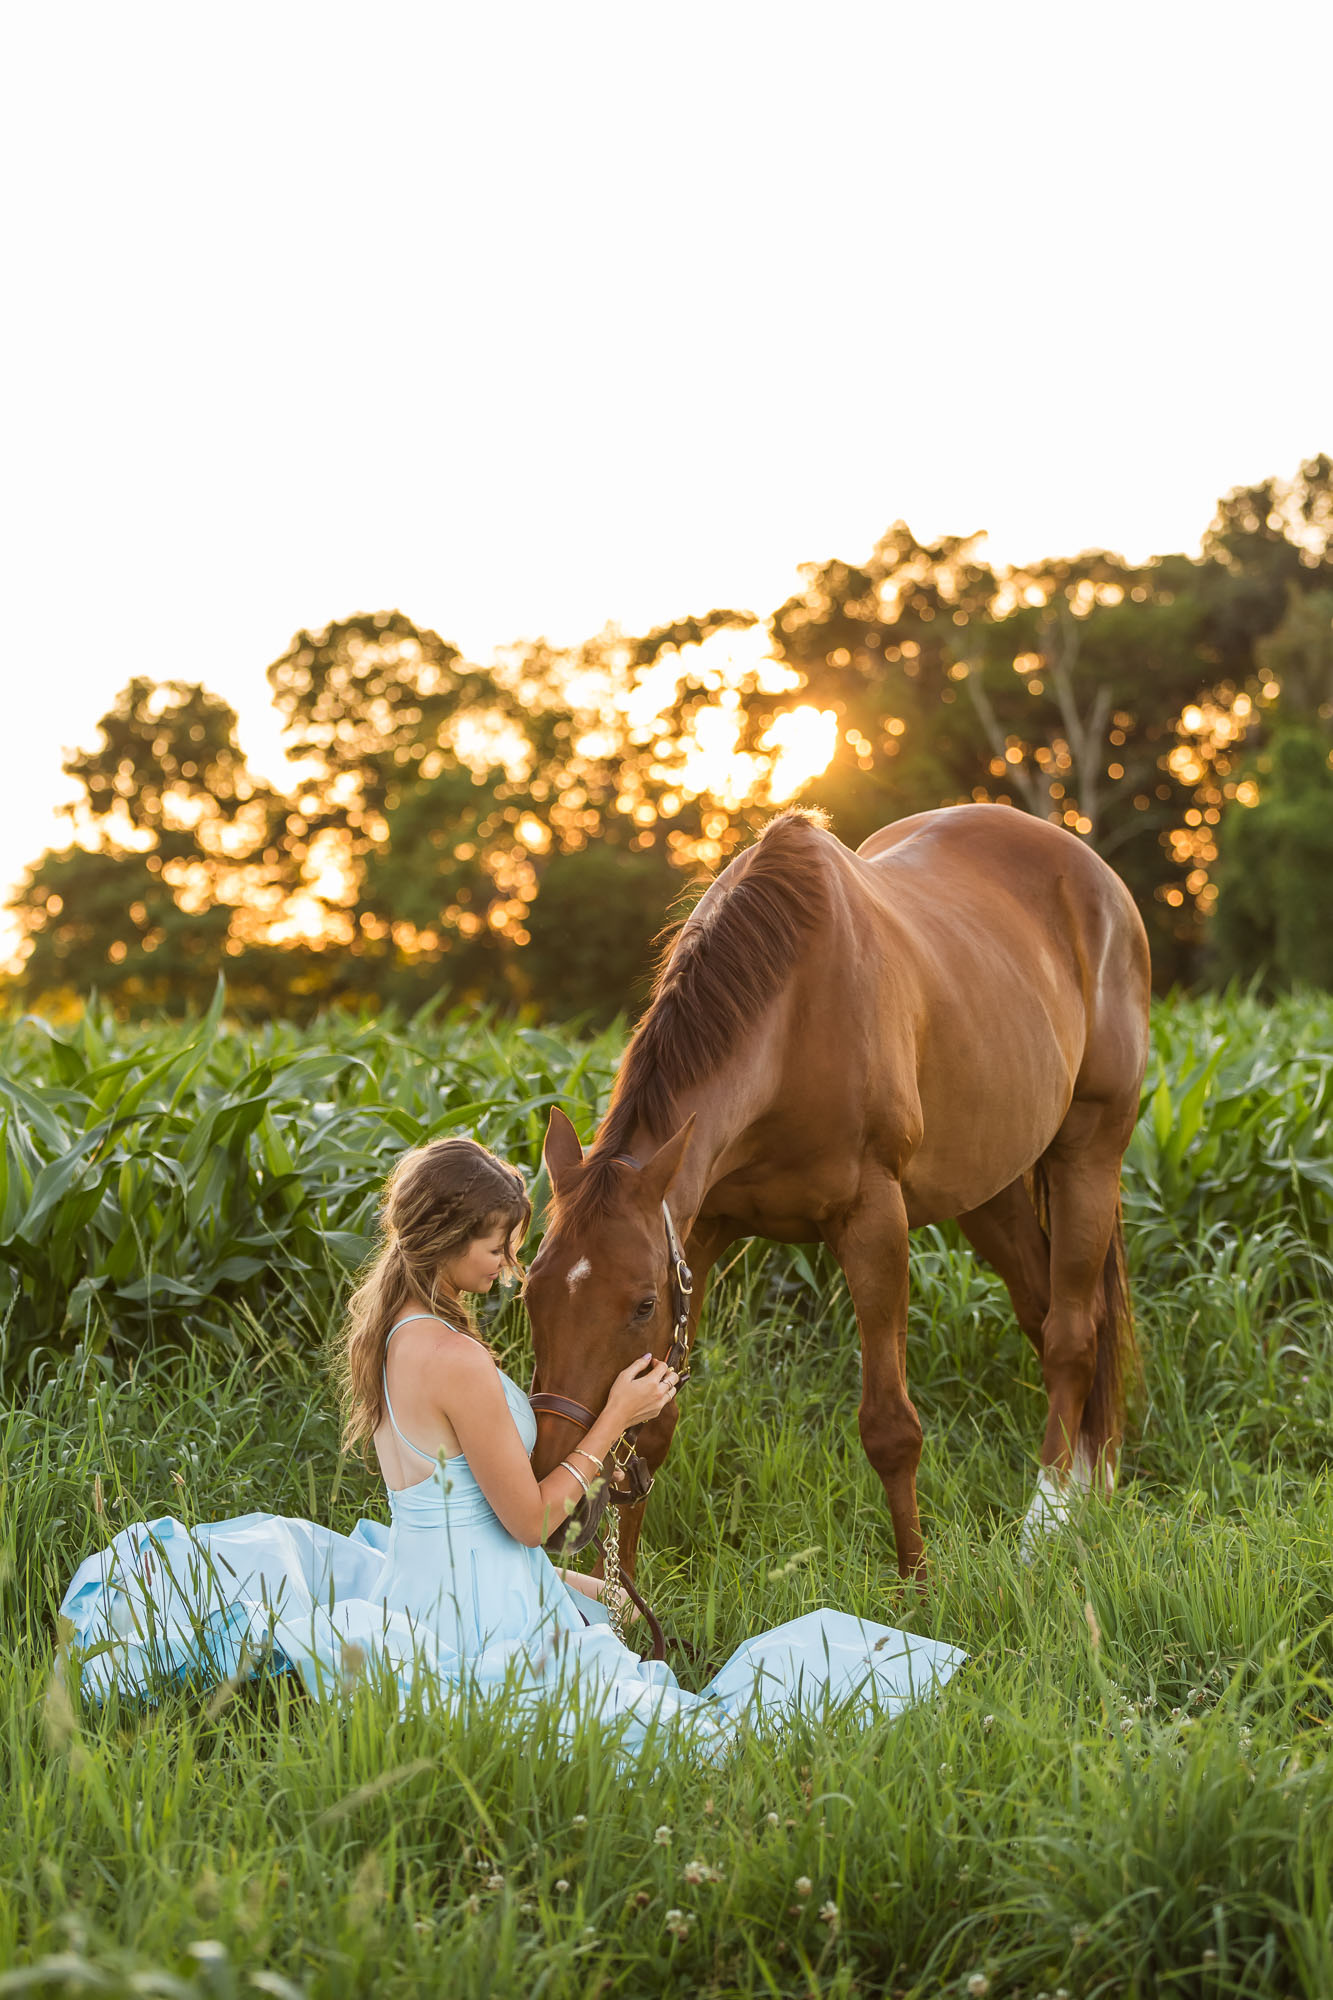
(869, 1240)
(1084, 1331)
(1006, 1232)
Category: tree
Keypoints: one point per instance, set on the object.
(514, 833)
(1056, 688)
(187, 856)
(1296, 661)
(440, 798)
(1275, 876)
(592, 928)
(874, 643)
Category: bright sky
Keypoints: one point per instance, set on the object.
(522, 318)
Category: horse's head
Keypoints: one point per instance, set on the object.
(601, 1291)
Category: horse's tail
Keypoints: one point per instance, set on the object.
(1117, 1348)
(1117, 1358)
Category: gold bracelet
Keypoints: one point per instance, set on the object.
(595, 1463)
(573, 1469)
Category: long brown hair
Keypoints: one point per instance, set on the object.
(437, 1200)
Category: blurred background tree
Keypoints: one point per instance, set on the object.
(517, 833)
(184, 858)
(1274, 919)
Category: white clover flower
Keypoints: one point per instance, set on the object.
(579, 1819)
(803, 1885)
(561, 1886)
(828, 1913)
(978, 1984)
(771, 1819)
(495, 1881)
(663, 1836)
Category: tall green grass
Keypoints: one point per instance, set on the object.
(1127, 1791)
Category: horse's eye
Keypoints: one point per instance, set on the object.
(645, 1308)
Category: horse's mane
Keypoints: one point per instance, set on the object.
(717, 969)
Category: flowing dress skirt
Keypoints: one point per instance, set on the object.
(444, 1598)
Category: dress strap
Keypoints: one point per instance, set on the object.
(438, 1321)
(430, 1456)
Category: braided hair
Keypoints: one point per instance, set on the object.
(439, 1198)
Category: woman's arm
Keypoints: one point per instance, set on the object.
(464, 1383)
(586, 1586)
(595, 1587)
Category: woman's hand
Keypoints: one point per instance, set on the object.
(640, 1392)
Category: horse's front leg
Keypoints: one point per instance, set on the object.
(869, 1240)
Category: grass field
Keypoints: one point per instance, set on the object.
(1128, 1790)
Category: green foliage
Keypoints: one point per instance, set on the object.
(1128, 1790)
(1058, 688)
(1265, 542)
(440, 802)
(157, 1182)
(1275, 876)
(154, 1181)
(146, 917)
(1298, 657)
(592, 928)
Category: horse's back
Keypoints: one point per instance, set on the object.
(1020, 961)
(1026, 894)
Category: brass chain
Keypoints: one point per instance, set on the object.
(617, 1604)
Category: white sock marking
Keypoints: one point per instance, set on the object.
(1050, 1503)
(1049, 1510)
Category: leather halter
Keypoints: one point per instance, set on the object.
(630, 1480)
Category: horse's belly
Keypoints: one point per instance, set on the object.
(935, 1192)
(987, 1112)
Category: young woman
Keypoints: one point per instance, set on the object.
(458, 1589)
(450, 1430)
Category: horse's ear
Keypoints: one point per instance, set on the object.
(561, 1149)
(665, 1164)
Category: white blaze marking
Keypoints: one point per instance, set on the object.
(578, 1272)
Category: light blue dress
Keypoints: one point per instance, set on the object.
(444, 1598)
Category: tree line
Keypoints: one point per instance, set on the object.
(518, 833)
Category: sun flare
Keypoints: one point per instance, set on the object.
(805, 739)
(796, 748)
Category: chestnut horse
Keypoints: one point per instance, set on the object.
(952, 1021)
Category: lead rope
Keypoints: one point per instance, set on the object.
(617, 1603)
(619, 1597)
